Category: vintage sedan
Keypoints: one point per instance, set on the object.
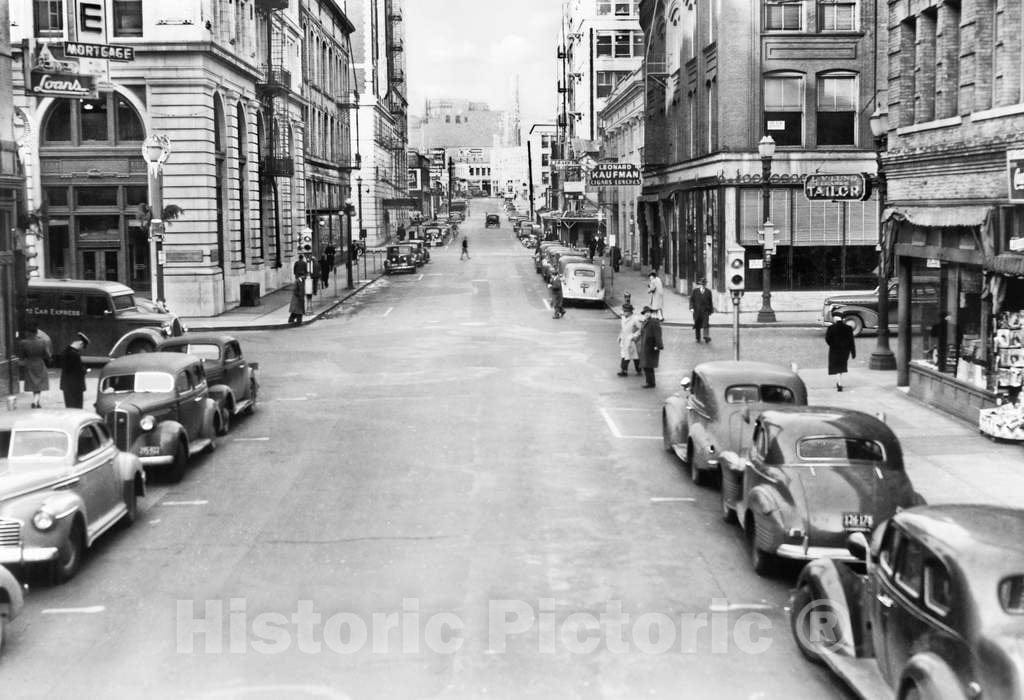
(860, 309)
(810, 476)
(158, 407)
(704, 419)
(939, 612)
(420, 251)
(492, 221)
(582, 281)
(11, 601)
(63, 483)
(232, 380)
(400, 258)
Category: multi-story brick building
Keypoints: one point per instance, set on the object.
(719, 77)
(12, 186)
(955, 216)
(383, 124)
(622, 141)
(221, 81)
(539, 143)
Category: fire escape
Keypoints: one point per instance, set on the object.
(273, 91)
(395, 140)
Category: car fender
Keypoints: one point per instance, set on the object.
(166, 434)
(933, 676)
(868, 316)
(836, 583)
(732, 465)
(146, 334)
(128, 467)
(676, 420)
(764, 504)
(221, 395)
(13, 599)
(209, 418)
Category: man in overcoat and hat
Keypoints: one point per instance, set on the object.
(72, 374)
(649, 345)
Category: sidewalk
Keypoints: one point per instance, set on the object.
(792, 309)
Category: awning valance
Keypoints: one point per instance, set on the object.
(400, 203)
(1006, 263)
(940, 217)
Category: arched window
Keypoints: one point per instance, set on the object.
(108, 120)
(220, 172)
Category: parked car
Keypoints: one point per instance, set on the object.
(860, 309)
(703, 420)
(158, 407)
(116, 322)
(231, 380)
(582, 280)
(810, 476)
(400, 258)
(435, 234)
(492, 221)
(939, 612)
(421, 254)
(63, 484)
(11, 601)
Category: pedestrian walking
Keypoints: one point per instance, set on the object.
(557, 299)
(592, 248)
(297, 305)
(326, 263)
(649, 345)
(465, 250)
(702, 305)
(839, 338)
(72, 372)
(35, 355)
(657, 293)
(629, 329)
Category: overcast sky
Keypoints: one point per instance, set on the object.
(473, 49)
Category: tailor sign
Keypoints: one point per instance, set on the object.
(853, 187)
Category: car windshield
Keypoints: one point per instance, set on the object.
(140, 382)
(840, 448)
(32, 444)
(752, 393)
(124, 301)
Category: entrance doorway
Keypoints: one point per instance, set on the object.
(100, 265)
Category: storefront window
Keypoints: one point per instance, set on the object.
(58, 122)
(946, 313)
(94, 120)
(96, 196)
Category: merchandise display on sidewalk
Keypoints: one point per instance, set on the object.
(1006, 421)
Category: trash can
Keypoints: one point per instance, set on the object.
(249, 294)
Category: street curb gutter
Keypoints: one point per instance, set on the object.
(783, 324)
(276, 326)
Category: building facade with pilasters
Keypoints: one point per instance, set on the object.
(717, 78)
(221, 80)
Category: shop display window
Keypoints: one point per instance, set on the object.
(946, 312)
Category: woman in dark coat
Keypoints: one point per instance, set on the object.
(650, 345)
(839, 337)
(35, 353)
(297, 306)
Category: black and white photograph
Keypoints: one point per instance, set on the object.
(550, 349)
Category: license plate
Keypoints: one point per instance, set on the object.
(858, 521)
(149, 451)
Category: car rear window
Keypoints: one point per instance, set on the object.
(205, 351)
(752, 393)
(841, 448)
(140, 382)
(584, 273)
(1011, 594)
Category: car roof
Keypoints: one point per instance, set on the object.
(797, 422)
(198, 338)
(726, 372)
(48, 418)
(149, 362)
(96, 285)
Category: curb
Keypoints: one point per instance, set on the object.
(277, 326)
(777, 324)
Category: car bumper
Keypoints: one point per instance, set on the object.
(800, 552)
(157, 460)
(27, 555)
(596, 295)
(400, 268)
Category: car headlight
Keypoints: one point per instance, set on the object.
(147, 422)
(167, 330)
(43, 520)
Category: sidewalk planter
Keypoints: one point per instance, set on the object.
(946, 393)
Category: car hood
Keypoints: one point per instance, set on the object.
(139, 402)
(823, 494)
(14, 484)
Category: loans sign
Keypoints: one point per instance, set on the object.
(853, 187)
(614, 175)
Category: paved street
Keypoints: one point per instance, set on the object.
(442, 451)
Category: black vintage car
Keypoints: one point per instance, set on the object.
(492, 221)
(939, 612)
(157, 406)
(400, 258)
(232, 380)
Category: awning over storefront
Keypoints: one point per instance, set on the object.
(1006, 264)
(940, 217)
(401, 203)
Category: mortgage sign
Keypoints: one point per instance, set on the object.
(614, 175)
(837, 187)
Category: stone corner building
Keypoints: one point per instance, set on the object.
(221, 79)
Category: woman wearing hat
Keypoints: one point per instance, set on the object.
(72, 375)
(839, 338)
(628, 332)
(35, 353)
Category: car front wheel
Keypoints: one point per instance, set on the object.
(69, 554)
(697, 475)
(761, 561)
(180, 463)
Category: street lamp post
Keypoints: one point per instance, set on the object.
(451, 168)
(359, 203)
(766, 149)
(155, 151)
(882, 358)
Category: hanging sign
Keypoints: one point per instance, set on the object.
(50, 73)
(853, 187)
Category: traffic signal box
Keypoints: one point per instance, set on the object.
(306, 244)
(736, 270)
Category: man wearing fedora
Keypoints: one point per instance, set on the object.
(649, 345)
(72, 374)
(702, 305)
